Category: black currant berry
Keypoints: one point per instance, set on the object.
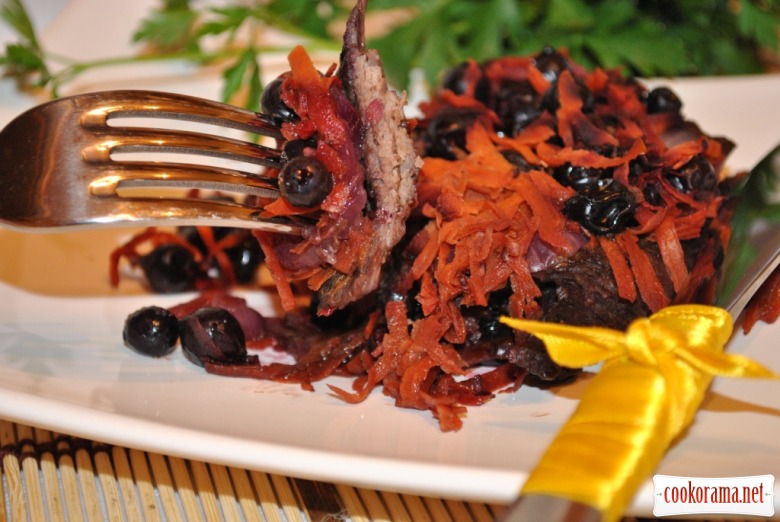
(606, 207)
(170, 268)
(271, 102)
(661, 100)
(446, 132)
(305, 182)
(212, 334)
(151, 331)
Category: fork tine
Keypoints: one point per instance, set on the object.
(140, 174)
(164, 211)
(102, 106)
(136, 139)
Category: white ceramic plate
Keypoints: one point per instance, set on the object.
(63, 365)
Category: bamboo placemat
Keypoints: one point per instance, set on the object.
(51, 476)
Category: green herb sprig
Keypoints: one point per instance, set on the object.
(24, 59)
(646, 37)
(178, 27)
(220, 32)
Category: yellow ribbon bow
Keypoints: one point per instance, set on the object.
(654, 377)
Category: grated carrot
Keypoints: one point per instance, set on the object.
(621, 271)
(672, 252)
(650, 288)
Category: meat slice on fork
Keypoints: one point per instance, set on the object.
(355, 116)
(389, 157)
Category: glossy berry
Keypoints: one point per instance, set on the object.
(170, 268)
(551, 101)
(151, 331)
(305, 182)
(271, 102)
(652, 194)
(551, 63)
(701, 174)
(446, 132)
(295, 148)
(491, 327)
(245, 258)
(517, 160)
(577, 177)
(606, 207)
(517, 105)
(663, 100)
(698, 175)
(193, 237)
(455, 79)
(639, 166)
(212, 334)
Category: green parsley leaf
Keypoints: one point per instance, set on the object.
(314, 19)
(755, 22)
(23, 57)
(245, 71)
(255, 87)
(647, 37)
(15, 15)
(644, 46)
(169, 28)
(494, 22)
(570, 15)
(225, 20)
(23, 60)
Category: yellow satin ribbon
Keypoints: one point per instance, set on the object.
(654, 377)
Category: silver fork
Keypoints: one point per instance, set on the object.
(59, 170)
